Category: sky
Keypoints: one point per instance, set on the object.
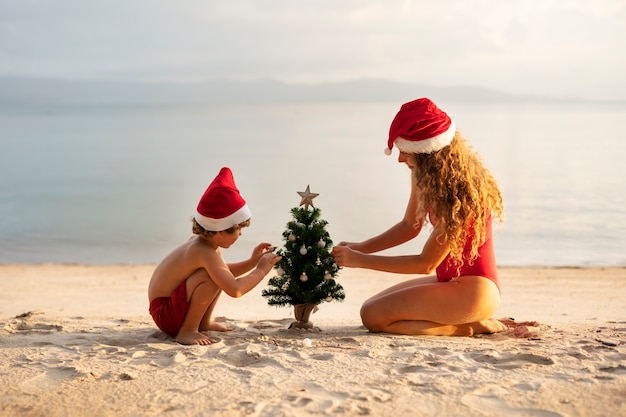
(559, 48)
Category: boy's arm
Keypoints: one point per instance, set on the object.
(221, 274)
(240, 268)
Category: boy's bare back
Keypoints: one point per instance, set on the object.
(180, 264)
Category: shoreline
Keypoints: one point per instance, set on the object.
(554, 294)
(153, 264)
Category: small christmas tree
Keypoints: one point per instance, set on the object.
(305, 274)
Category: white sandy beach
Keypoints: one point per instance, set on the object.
(77, 340)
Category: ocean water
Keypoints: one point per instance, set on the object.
(118, 184)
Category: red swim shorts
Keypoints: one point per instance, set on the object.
(169, 312)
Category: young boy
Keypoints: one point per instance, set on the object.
(186, 285)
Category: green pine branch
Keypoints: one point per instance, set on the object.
(306, 272)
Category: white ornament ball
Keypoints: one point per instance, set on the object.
(329, 299)
(306, 342)
(304, 277)
(280, 271)
(292, 237)
(321, 244)
(327, 275)
(303, 250)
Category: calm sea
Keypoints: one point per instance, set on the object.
(118, 184)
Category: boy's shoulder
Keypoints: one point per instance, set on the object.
(195, 251)
(201, 244)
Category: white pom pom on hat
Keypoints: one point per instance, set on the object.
(221, 205)
(420, 127)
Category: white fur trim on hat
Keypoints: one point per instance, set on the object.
(427, 145)
(216, 225)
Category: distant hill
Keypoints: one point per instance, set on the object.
(28, 91)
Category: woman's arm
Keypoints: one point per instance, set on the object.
(434, 252)
(401, 232)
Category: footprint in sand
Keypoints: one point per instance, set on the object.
(322, 356)
(433, 361)
(512, 361)
(251, 354)
(319, 399)
(26, 323)
(269, 324)
(617, 369)
(347, 341)
(28, 327)
(52, 378)
(495, 406)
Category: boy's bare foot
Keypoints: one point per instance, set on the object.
(215, 326)
(192, 338)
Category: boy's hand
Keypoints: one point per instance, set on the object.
(267, 261)
(261, 249)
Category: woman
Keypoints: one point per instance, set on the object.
(458, 196)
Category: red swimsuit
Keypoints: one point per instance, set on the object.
(484, 265)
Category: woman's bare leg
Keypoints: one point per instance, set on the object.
(426, 328)
(461, 307)
(431, 279)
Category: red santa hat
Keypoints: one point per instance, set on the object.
(222, 206)
(420, 127)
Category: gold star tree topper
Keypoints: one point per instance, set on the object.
(307, 197)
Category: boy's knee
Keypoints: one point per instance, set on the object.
(203, 293)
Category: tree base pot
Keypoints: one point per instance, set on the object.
(302, 312)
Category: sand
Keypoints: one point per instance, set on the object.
(77, 340)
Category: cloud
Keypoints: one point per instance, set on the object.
(519, 46)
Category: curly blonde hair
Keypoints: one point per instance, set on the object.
(455, 186)
(197, 229)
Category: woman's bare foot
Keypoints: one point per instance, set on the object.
(190, 337)
(215, 326)
(524, 329)
(488, 326)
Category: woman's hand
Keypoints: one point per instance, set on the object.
(346, 256)
(351, 245)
